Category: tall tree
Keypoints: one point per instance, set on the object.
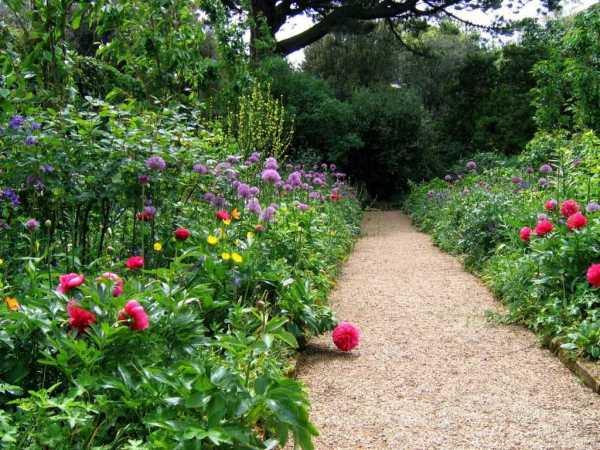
(268, 16)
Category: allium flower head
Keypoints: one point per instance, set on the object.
(592, 207)
(253, 206)
(31, 140)
(295, 179)
(448, 177)
(593, 275)
(156, 163)
(46, 168)
(569, 207)
(79, 318)
(516, 180)
(576, 221)
(545, 168)
(135, 314)
(271, 164)
(32, 225)
(268, 214)
(69, 281)
(346, 336)
(530, 170)
(200, 169)
(302, 206)
(11, 196)
(271, 176)
(243, 190)
(471, 165)
(36, 126)
(16, 122)
(144, 179)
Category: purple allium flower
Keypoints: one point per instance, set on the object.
(271, 164)
(11, 196)
(47, 168)
(524, 185)
(233, 159)
(144, 179)
(448, 177)
(208, 197)
(268, 214)
(219, 202)
(530, 170)
(339, 175)
(222, 166)
(295, 179)
(323, 166)
(315, 195)
(254, 191)
(243, 190)
(302, 206)
(156, 163)
(288, 187)
(270, 176)
(332, 167)
(35, 126)
(32, 225)
(471, 165)
(253, 206)
(318, 181)
(516, 180)
(200, 169)
(592, 207)
(545, 168)
(306, 186)
(576, 162)
(35, 182)
(543, 183)
(150, 211)
(31, 140)
(254, 158)
(16, 122)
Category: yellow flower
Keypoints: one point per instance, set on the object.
(250, 235)
(11, 303)
(237, 258)
(157, 246)
(236, 214)
(212, 240)
(227, 222)
(226, 256)
(1, 262)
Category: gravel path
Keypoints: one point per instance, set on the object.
(430, 371)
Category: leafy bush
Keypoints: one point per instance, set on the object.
(155, 282)
(542, 277)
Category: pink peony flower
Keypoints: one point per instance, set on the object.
(346, 336)
(569, 207)
(543, 227)
(593, 275)
(576, 221)
(223, 215)
(118, 282)
(79, 318)
(135, 262)
(69, 281)
(134, 312)
(525, 234)
(550, 205)
(181, 234)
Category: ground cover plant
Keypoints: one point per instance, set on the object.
(155, 279)
(530, 225)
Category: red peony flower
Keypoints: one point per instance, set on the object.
(543, 227)
(181, 234)
(223, 215)
(79, 318)
(576, 221)
(569, 207)
(346, 336)
(525, 234)
(135, 262)
(550, 205)
(593, 275)
(69, 281)
(134, 312)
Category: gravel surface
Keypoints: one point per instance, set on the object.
(430, 371)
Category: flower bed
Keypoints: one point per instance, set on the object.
(155, 283)
(531, 227)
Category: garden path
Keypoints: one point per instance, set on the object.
(430, 371)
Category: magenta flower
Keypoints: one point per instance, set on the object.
(156, 163)
(270, 176)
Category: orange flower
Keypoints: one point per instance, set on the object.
(12, 303)
(236, 214)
